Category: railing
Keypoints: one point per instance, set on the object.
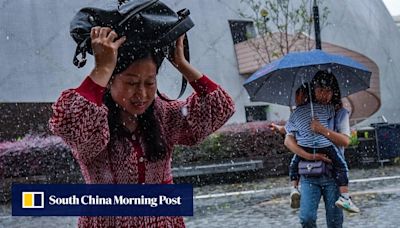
(217, 168)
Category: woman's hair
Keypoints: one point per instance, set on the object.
(149, 127)
(126, 58)
(326, 79)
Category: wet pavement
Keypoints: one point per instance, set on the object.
(265, 203)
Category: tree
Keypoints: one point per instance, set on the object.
(283, 26)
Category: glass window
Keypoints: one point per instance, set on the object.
(242, 30)
(256, 113)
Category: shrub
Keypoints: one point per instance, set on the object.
(36, 155)
(246, 141)
(36, 159)
(354, 138)
(49, 156)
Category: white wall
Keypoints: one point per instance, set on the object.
(36, 49)
(368, 28)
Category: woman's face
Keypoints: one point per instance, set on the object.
(323, 95)
(135, 88)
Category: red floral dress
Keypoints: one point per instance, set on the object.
(80, 118)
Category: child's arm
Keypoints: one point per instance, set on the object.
(291, 144)
(338, 139)
(277, 128)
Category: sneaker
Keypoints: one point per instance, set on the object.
(347, 204)
(294, 198)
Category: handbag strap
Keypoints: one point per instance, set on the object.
(184, 81)
(81, 50)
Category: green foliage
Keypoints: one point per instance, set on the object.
(275, 20)
(354, 138)
(354, 141)
(212, 143)
(240, 141)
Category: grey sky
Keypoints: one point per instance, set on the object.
(393, 6)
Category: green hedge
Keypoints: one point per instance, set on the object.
(234, 142)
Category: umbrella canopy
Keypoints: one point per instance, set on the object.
(277, 82)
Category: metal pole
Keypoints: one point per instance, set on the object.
(377, 145)
(310, 99)
(316, 26)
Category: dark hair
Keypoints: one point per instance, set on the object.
(148, 126)
(302, 89)
(126, 58)
(326, 79)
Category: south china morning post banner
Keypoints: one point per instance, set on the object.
(102, 200)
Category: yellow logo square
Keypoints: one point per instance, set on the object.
(32, 199)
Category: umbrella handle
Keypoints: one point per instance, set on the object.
(312, 110)
(310, 98)
(312, 114)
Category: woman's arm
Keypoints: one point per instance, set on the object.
(337, 138)
(105, 51)
(291, 144)
(189, 122)
(206, 110)
(79, 115)
(80, 119)
(179, 61)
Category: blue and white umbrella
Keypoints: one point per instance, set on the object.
(277, 82)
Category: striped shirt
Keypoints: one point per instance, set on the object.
(300, 120)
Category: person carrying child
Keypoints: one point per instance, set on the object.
(328, 133)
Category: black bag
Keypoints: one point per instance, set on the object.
(314, 168)
(147, 24)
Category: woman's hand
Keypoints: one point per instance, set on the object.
(178, 58)
(317, 127)
(336, 138)
(180, 62)
(320, 157)
(105, 51)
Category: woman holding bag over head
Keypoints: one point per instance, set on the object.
(121, 133)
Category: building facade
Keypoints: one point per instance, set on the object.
(37, 51)
(397, 21)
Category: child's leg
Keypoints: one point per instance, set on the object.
(345, 201)
(341, 173)
(344, 189)
(344, 192)
(294, 178)
(339, 167)
(294, 170)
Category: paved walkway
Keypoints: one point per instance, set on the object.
(264, 203)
